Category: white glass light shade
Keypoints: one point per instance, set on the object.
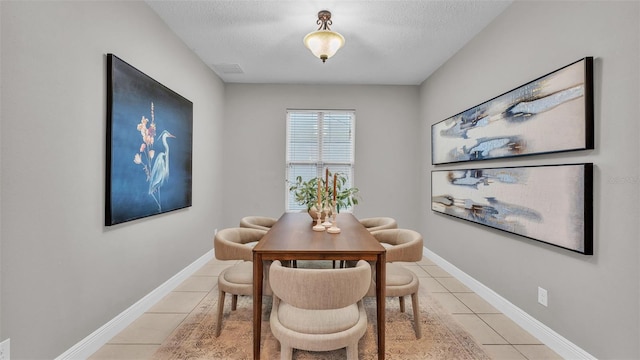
(324, 43)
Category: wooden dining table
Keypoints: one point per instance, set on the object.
(292, 238)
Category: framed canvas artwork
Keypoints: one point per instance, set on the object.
(553, 113)
(551, 204)
(149, 145)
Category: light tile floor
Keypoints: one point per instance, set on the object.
(499, 336)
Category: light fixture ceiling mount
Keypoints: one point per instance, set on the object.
(323, 42)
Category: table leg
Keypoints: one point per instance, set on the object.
(257, 303)
(381, 277)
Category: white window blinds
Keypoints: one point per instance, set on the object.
(317, 140)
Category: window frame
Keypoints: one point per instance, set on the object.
(319, 163)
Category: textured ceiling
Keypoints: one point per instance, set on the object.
(387, 42)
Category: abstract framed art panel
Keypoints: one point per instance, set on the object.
(553, 113)
(149, 145)
(551, 203)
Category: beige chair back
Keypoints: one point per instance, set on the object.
(405, 244)
(379, 223)
(257, 222)
(320, 289)
(229, 244)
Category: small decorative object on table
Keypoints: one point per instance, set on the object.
(318, 226)
(334, 229)
(327, 221)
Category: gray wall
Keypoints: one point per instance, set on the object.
(387, 147)
(593, 300)
(63, 273)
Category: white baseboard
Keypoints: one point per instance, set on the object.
(550, 338)
(90, 344)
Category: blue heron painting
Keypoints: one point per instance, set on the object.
(149, 137)
(155, 166)
(160, 170)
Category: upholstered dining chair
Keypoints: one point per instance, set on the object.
(258, 222)
(232, 244)
(379, 223)
(262, 223)
(319, 309)
(373, 224)
(403, 245)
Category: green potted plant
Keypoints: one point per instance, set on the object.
(306, 192)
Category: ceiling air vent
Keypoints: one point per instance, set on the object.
(228, 69)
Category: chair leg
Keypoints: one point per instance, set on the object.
(352, 351)
(286, 352)
(416, 314)
(220, 312)
(401, 298)
(341, 264)
(234, 302)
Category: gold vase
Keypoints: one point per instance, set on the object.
(314, 215)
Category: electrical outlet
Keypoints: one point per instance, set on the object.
(5, 350)
(215, 231)
(543, 296)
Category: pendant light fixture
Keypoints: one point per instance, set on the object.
(323, 42)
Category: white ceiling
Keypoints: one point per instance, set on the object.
(391, 42)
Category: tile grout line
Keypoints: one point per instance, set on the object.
(472, 312)
(508, 343)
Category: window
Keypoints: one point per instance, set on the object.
(317, 140)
